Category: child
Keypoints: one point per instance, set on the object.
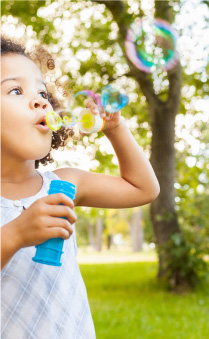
(40, 301)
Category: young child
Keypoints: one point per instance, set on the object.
(41, 301)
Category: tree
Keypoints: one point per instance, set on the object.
(162, 116)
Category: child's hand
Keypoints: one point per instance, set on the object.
(42, 220)
(111, 120)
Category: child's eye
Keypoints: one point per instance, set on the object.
(16, 91)
(44, 94)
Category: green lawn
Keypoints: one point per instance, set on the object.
(127, 303)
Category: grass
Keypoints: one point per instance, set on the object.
(127, 303)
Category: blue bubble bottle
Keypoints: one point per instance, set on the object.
(49, 253)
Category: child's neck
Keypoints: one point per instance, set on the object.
(22, 189)
(18, 179)
(14, 170)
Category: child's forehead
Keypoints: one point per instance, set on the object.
(15, 65)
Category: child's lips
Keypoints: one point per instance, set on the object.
(42, 128)
(42, 120)
(42, 125)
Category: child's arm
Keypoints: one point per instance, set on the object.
(137, 185)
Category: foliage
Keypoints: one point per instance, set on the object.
(81, 229)
(27, 11)
(185, 261)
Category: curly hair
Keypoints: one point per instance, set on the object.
(59, 138)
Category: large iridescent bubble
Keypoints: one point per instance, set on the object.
(151, 45)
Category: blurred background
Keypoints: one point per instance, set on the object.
(145, 268)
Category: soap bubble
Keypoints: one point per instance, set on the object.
(50, 64)
(65, 118)
(112, 100)
(151, 45)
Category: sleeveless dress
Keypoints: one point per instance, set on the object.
(40, 301)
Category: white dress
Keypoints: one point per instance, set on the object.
(40, 301)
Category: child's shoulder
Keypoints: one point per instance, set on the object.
(68, 174)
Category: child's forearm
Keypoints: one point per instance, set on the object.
(134, 165)
(9, 243)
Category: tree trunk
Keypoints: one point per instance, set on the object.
(163, 215)
(99, 228)
(136, 231)
(91, 234)
(109, 241)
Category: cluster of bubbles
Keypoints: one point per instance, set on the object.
(111, 101)
(151, 44)
(66, 118)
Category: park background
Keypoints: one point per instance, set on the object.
(145, 268)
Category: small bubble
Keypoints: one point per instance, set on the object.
(50, 64)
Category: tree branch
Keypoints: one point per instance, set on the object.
(117, 8)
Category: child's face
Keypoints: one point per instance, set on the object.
(23, 103)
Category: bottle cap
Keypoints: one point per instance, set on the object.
(89, 122)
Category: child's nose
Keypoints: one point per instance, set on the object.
(38, 102)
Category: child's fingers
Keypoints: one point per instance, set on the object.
(59, 228)
(62, 211)
(59, 198)
(91, 99)
(89, 103)
(103, 115)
